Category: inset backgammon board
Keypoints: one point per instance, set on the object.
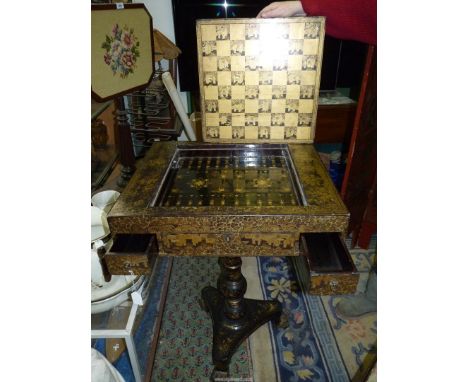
(231, 176)
(259, 78)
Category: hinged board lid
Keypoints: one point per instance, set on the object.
(260, 78)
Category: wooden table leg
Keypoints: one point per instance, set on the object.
(234, 317)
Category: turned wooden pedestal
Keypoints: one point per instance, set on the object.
(234, 317)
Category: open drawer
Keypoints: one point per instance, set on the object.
(132, 254)
(325, 265)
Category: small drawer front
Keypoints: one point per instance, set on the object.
(325, 265)
(132, 254)
(230, 244)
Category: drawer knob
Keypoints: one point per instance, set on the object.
(333, 284)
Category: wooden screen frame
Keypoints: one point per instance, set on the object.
(107, 7)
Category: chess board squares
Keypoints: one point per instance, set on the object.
(279, 92)
(208, 32)
(292, 106)
(265, 77)
(210, 78)
(238, 63)
(265, 63)
(294, 77)
(224, 78)
(265, 92)
(211, 106)
(237, 32)
(222, 32)
(224, 92)
(237, 48)
(310, 47)
(278, 105)
(224, 106)
(212, 119)
(224, 63)
(294, 63)
(209, 48)
(305, 119)
(238, 106)
(303, 132)
(251, 119)
(252, 63)
(280, 78)
(237, 78)
(309, 62)
(268, 31)
(277, 132)
(264, 132)
(277, 119)
(238, 119)
(225, 132)
(282, 30)
(252, 48)
(238, 132)
(264, 119)
(252, 31)
(251, 92)
(251, 105)
(295, 47)
(296, 31)
(307, 91)
(238, 92)
(251, 132)
(275, 30)
(306, 106)
(280, 63)
(308, 77)
(290, 132)
(223, 48)
(225, 119)
(252, 78)
(211, 92)
(210, 64)
(212, 131)
(311, 30)
(290, 119)
(264, 105)
(293, 91)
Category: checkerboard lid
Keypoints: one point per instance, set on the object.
(260, 78)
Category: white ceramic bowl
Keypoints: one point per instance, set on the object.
(99, 226)
(114, 292)
(105, 200)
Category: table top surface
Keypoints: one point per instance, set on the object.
(188, 186)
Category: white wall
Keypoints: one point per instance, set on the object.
(161, 11)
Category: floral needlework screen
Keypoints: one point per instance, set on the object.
(260, 78)
(121, 50)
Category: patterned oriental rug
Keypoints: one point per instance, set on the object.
(318, 345)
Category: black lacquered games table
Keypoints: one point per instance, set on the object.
(256, 187)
